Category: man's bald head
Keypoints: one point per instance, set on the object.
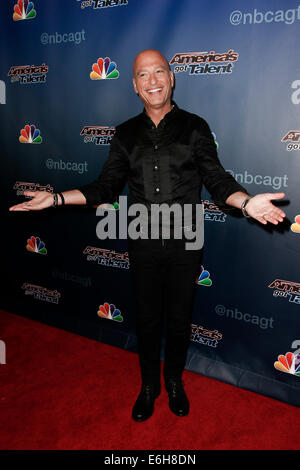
(148, 54)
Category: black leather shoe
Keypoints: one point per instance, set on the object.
(178, 401)
(144, 405)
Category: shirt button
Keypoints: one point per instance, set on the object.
(156, 167)
(155, 147)
(157, 190)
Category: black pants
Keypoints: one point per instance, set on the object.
(163, 277)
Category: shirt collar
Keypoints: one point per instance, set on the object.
(170, 115)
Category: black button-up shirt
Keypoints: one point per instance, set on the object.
(163, 164)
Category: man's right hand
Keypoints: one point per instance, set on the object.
(40, 200)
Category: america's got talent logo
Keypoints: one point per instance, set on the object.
(286, 289)
(293, 140)
(28, 74)
(99, 135)
(204, 63)
(97, 4)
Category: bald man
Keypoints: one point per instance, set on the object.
(165, 154)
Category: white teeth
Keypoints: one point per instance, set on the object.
(154, 91)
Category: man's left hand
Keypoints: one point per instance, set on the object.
(261, 208)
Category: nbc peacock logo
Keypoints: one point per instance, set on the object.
(30, 135)
(24, 10)
(204, 278)
(104, 69)
(110, 312)
(35, 245)
(289, 363)
(295, 227)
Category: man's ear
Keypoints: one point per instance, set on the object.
(134, 86)
(172, 78)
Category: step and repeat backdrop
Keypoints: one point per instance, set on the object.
(66, 82)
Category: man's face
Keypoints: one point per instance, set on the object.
(153, 80)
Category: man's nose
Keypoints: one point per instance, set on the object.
(153, 78)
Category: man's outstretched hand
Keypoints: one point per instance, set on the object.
(40, 200)
(261, 208)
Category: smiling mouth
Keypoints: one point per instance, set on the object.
(155, 90)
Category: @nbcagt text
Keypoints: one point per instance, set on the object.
(61, 38)
(78, 167)
(151, 459)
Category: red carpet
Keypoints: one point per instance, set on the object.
(63, 391)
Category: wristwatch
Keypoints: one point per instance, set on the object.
(243, 207)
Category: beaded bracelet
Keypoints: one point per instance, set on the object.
(55, 200)
(62, 198)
